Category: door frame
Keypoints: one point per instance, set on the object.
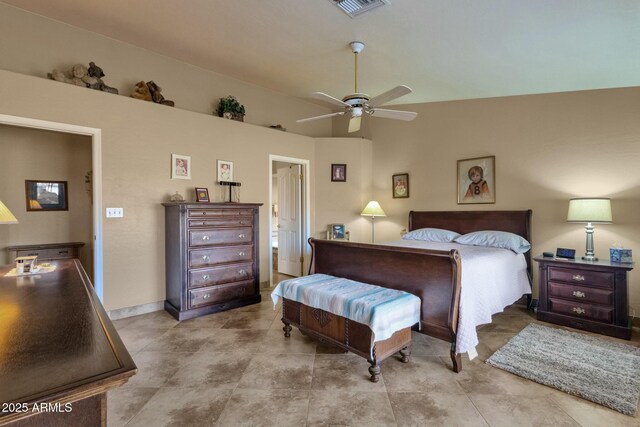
(305, 203)
(96, 164)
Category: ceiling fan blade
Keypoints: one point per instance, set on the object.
(394, 114)
(354, 124)
(389, 95)
(339, 113)
(330, 99)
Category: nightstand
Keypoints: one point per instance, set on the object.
(588, 295)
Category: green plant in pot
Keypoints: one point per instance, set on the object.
(230, 108)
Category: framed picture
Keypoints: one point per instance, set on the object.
(400, 187)
(338, 172)
(202, 195)
(477, 180)
(180, 167)
(46, 195)
(336, 231)
(225, 171)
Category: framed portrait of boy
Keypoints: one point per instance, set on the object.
(202, 194)
(477, 180)
(225, 171)
(400, 186)
(180, 166)
(338, 172)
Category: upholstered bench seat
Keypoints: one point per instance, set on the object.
(370, 321)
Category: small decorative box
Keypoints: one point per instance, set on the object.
(620, 255)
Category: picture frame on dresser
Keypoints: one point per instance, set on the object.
(202, 195)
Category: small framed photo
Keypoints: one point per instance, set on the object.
(477, 180)
(400, 184)
(338, 172)
(336, 232)
(225, 171)
(46, 196)
(180, 166)
(202, 195)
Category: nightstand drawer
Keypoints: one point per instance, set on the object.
(582, 277)
(595, 312)
(581, 293)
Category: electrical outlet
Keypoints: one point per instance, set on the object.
(115, 212)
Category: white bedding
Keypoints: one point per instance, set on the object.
(492, 279)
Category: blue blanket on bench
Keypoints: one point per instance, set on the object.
(384, 310)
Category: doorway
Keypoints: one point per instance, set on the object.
(289, 222)
(96, 180)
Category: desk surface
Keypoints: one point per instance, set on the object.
(57, 343)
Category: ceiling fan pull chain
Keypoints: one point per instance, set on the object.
(356, 76)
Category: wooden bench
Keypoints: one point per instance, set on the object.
(346, 334)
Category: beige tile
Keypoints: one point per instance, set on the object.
(136, 339)
(480, 378)
(426, 345)
(280, 408)
(591, 414)
(156, 367)
(346, 372)
(506, 410)
(276, 342)
(434, 409)
(337, 407)
(215, 321)
(250, 320)
(124, 403)
(182, 406)
(214, 370)
(232, 340)
(180, 340)
(279, 371)
(505, 323)
(157, 319)
(421, 374)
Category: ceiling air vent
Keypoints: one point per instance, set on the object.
(355, 8)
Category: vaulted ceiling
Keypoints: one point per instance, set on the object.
(442, 49)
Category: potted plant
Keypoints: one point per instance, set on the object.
(230, 108)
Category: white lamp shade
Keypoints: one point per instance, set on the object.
(373, 209)
(590, 210)
(6, 217)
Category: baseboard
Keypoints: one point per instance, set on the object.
(136, 310)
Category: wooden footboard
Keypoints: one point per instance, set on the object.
(433, 276)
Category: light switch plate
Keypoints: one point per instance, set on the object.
(115, 212)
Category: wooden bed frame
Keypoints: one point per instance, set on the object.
(434, 276)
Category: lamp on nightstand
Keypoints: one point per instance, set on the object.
(590, 211)
(373, 210)
(6, 217)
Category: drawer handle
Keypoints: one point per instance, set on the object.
(63, 252)
(206, 296)
(243, 272)
(241, 236)
(578, 277)
(579, 294)
(579, 310)
(205, 257)
(205, 277)
(240, 253)
(205, 237)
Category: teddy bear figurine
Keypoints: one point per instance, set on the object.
(97, 73)
(157, 96)
(75, 76)
(142, 92)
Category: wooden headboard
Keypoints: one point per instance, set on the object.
(517, 222)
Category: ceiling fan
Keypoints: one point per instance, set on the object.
(357, 104)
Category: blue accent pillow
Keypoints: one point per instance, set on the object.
(495, 239)
(431, 235)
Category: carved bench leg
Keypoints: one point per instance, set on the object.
(405, 352)
(286, 328)
(374, 370)
(456, 358)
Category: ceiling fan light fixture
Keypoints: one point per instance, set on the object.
(355, 8)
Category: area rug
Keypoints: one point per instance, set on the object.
(595, 369)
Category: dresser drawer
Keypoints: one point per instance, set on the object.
(599, 313)
(215, 294)
(219, 236)
(208, 213)
(581, 293)
(44, 254)
(241, 221)
(582, 277)
(220, 274)
(220, 255)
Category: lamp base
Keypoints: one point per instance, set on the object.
(589, 258)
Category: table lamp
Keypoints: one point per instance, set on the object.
(6, 217)
(590, 210)
(373, 210)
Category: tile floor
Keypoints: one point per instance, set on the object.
(236, 368)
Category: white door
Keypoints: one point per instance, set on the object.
(289, 220)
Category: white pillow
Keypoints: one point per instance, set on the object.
(495, 239)
(431, 235)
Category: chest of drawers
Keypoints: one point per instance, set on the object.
(211, 257)
(587, 295)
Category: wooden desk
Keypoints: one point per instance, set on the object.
(59, 352)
